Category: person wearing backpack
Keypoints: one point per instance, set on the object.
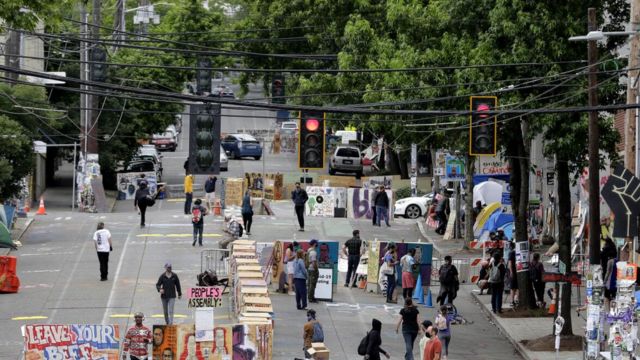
(536, 270)
(449, 283)
(496, 282)
(210, 191)
(140, 201)
(247, 211)
(197, 219)
(371, 343)
(312, 332)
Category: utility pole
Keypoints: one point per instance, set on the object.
(632, 91)
(12, 54)
(119, 24)
(594, 160)
(92, 135)
(84, 56)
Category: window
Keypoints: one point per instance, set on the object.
(348, 152)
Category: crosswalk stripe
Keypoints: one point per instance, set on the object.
(176, 235)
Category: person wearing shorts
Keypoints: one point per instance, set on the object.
(290, 256)
(210, 191)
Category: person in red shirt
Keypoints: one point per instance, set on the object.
(433, 350)
(137, 340)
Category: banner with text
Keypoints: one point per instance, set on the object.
(205, 296)
(53, 342)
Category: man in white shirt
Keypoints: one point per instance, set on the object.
(102, 241)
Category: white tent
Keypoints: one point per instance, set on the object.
(487, 192)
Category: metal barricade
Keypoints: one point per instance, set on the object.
(465, 271)
(216, 260)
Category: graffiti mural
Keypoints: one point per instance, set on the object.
(128, 183)
(327, 255)
(99, 342)
(424, 254)
(323, 201)
(361, 200)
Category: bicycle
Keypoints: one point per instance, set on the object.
(455, 318)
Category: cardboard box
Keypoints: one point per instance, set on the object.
(319, 351)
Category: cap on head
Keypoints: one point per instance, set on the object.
(138, 314)
(167, 265)
(313, 242)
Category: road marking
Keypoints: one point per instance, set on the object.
(35, 286)
(38, 271)
(47, 254)
(36, 317)
(175, 200)
(174, 315)
(115, 278)
(68, 218)
(176, 235)
(58, 218)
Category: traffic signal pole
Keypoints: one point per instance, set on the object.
(92, 133)
(594, 160)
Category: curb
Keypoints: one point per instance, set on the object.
(519, 347)
(423, 232)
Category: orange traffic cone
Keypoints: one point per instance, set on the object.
(27, 208)
(552, 309)
(41, 209)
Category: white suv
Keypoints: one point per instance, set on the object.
(346, 159)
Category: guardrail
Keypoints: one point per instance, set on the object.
(468, 270)
(216, 260)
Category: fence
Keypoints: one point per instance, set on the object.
(468, 270)
(216, 260)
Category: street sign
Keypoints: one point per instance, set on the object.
(562, 267)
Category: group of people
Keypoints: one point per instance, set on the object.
(409, 271)
(380, 206)
(302, 272)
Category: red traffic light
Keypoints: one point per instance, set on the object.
(482, 108)
(312, 124)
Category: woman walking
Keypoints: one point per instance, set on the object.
(443, 323)
(247, 211)
(391, 260)
(409, 321)
(289, 258)
(408, 282)
(374, 341)
(300, 276)
(496, 282)
(140, 201)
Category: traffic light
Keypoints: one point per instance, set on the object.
(482, 125)
(204, 139)
(98, 64)
(277, 90)
(203, 76)
(311, 140)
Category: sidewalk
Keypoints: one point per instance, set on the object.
(518, 329)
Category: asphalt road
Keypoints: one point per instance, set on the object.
(58, 269)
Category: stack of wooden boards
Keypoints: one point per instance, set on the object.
(250, 297)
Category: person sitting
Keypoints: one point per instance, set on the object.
(210, 278)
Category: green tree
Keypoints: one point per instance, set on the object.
(16, 157)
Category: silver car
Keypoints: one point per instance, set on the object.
(346, 159)
(224, 160)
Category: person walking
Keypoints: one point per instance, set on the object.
(496, 282)
(168, 286)
(442, 213)
(426, 338)
(137, 340)
(247, 211)
(433, 350)
(311, 332)
(391, 260)
(210, 191)
(102, 241)
(140, 201)
(299, 197)
(443, 324)
(374, 215)
(313, 272)
(353, 249)
(289, 259)
(449, 283)
(198, 213)
(374, 340)
(409, 321)
(188, 193)
(513, 275)
(382, 206)
(406, 264)
(536, 270)
(300, 280)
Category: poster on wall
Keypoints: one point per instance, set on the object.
(454, 168)
(360, 202)
(233, 192)
(423, 257)
(328, 256)
(321, 201)
(522, 256)
(129, 183)
(45, 342)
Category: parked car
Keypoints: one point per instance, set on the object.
(289, 127)
(224, 160)
(164, 141)
(413, 207)
(346, 159)
(242, 145)
(223, 91)
(139, 165)
(157, 163)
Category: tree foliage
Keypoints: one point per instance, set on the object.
(16, 156)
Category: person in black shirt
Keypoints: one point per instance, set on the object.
(353, 249)
(409, 321)
(382, 206)
(299, 197)
(608, 252)
(168, 285)
(374, 341)
(496, 281)
(140, 201)
(198, 227)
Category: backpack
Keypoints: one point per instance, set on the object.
(494, 274)
(239, 230)
(149, 200)
(447, 277)
(196, 215)
(318, 333)
(364, 344)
